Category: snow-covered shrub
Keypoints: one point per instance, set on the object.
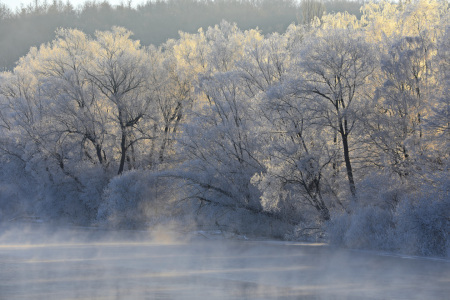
(337, 227)
(368, 224)
(367, 227)
(139, 198)
(380, 189)
(415, 221)
(17, 191)
(370, 228)
(423, 225)
(125, 199)
(71, 194)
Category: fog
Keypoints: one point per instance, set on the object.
(83, 263)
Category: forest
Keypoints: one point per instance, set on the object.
(333, 129)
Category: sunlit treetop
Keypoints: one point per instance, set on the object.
(386, 18)
(338, 21)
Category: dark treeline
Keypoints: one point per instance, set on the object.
(152, 23)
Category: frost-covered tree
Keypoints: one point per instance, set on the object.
(120, 72)
(410, 85)
(296, 159)
(174, 92)
(402, 101)
(264, 61)
(70, 107)
(217, 145)
(296, 153)
(405, 189)
(335, 69)
(220, 146)
(76, 104)
(292, 176)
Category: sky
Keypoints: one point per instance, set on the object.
(13, 4)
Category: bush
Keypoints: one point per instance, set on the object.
(419, 224)
(368, 227)
(138, 199)
(124, 200)
(423, 225)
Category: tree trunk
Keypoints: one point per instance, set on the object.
(98, 150)
(325, 213)
(123, 151)
(348, 164)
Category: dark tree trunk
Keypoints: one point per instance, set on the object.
(123, 151)
(348, 164)
(98, 149)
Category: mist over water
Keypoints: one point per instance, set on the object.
(36, 263)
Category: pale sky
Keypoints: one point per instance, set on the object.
(13, 4)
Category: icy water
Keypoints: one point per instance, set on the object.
(85, 264)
